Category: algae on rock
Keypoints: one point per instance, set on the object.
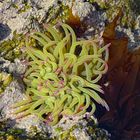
(5, 80)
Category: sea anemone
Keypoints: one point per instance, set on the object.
(62, 75)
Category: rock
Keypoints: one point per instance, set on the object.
(17, 67)
(13, 12)
(13, 94)
(132, 35)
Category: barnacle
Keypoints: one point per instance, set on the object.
(62, 76)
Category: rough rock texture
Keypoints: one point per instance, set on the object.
(79, 128)
(132, 35)
(67, 123)
(17, 67)
(19, 12)
(13, 94)
(36, 13)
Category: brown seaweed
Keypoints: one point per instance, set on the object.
(123, 91)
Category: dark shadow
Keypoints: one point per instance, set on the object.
(4, 31)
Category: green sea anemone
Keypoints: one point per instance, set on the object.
(62, 76)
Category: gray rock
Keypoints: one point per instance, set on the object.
(10, 14)
(17, 67)
(132, 35)
(12, 94)
(91, 17)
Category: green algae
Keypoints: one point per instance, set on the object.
(7, 133)
(87, 127)
(25, 6)
(5, 80)
(57, 13)
(65, 134)
(112, 7)
(91, 129)
(128, 18)
(10, 49)
(12, 133)
(14, 48)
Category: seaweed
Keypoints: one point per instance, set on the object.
(121, 85)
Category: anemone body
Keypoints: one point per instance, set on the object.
(62, 77)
